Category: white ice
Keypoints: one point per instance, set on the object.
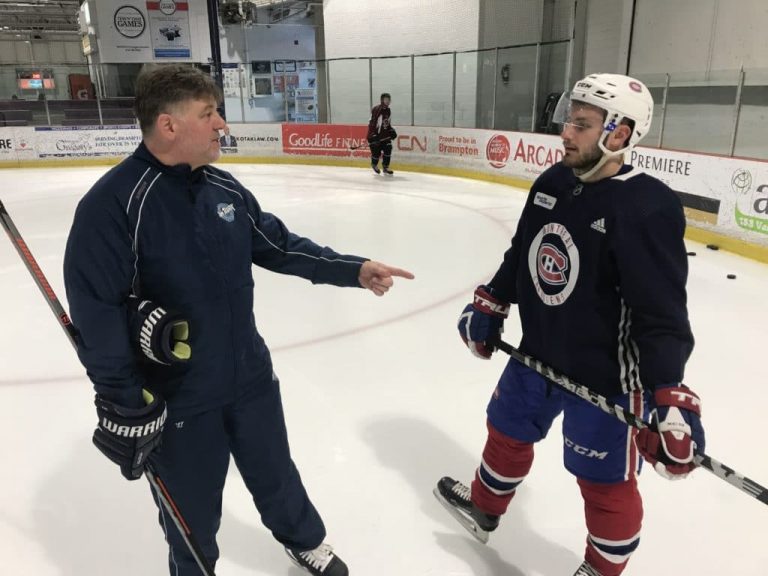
(381, 397)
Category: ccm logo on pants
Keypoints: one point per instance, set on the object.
(582, 451)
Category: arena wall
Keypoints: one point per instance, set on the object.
(725, 199)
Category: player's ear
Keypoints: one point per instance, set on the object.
(619, 137)
(165, 127)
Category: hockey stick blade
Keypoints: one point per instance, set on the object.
(708, 463)
(468, 524)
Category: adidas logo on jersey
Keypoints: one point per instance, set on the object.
(599, 225)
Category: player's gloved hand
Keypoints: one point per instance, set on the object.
(392, 134)
(127, 436)
(481, 322)
(678, 417)
(161, 335)
(373, 139)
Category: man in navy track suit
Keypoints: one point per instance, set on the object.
(598, 270)
(158, 276)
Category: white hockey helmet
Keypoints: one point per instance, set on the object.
(622, 98)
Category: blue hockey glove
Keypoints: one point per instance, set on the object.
(482, 322)
(678, 417)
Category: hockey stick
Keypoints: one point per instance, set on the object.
(53, 302)
(368, 145)
(717, 468)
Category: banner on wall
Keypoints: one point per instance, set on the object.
(725, 195)
(169, 29)
(680, 171)
(252, 140)
(17, 144)
(325, 140)
(89, 142)
(516, 155)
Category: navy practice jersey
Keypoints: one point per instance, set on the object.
(598, 272)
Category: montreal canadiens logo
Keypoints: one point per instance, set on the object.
(498, 151)
(553, 262)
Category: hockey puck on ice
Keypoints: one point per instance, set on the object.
(713, 246)
(731, 276)
(691, 253)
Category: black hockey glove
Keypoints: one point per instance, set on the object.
(127, 436)
(373, 140)
(392, 133)
(162, 336)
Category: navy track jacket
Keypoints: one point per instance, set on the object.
(185, 240)
(598, 272)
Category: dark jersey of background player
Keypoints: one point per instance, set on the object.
(381, 134)
(158, 269)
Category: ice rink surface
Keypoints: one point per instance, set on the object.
(381, 398)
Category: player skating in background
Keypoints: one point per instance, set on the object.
(158, 276)
(598, 270)
(381, 135)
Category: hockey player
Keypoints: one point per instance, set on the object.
(598, 270)
(158, 276)
(381, 135)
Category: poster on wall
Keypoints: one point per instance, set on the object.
(306, 105)
(122, 34)
(262, 87)
(261, 67)
(285, 66)
(169, 29)
(232, 80)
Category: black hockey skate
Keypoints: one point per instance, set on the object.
(457, 499)
(586, 570)
(320, 562)
(388, 172)
(376, 168)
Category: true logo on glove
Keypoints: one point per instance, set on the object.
(686, 398)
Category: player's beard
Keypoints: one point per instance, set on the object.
(585, 161)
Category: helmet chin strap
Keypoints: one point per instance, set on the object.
(607, 155)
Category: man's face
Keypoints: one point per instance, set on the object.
(197, 125)
(385, 102)
(581, 133)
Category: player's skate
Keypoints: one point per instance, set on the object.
(320, 562)
(586, 570)
(375, 167)
(388, 172)
(457, 499)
